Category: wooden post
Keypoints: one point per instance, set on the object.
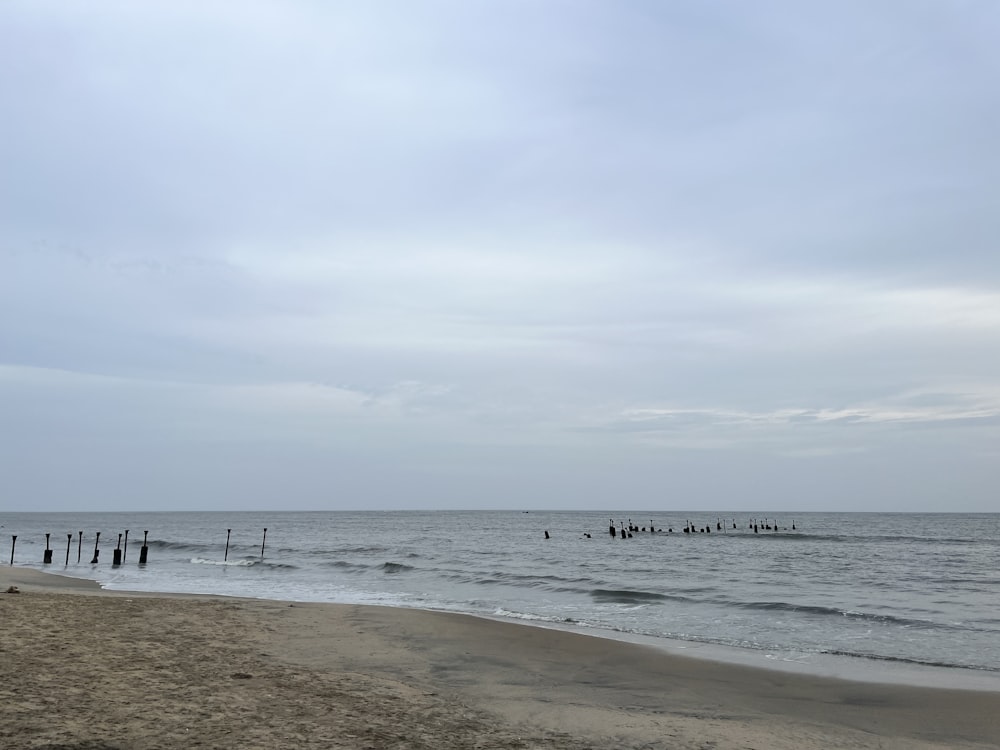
(47, 557)
(144, 550)
(79, 548)
(226, 555)
(97, 552)
(69, 541)
(117, 554)
(125, 549)
(262, 543)
(13, 543)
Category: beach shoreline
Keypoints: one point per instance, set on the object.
(816, 665)
(157, 671)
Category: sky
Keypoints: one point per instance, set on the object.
(530, 254)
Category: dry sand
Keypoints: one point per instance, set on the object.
(83, 669)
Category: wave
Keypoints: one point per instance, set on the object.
(750, 645)
(811, 609)
(391, 567)
(244, 563)
(360, 550)
(227, 563)
(327, 552)
(626, 596)
(343, 564)
(184, 546)
(753, 646)
(909, 660)
(800, 536)
(531, 617)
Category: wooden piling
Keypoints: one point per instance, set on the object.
(47, 556)
(226, 555)
(97, 552)
(79, 548)
(262, 543)
(69, 542)
(116, 558)
(13, 543)
(144, 550)
(125, 548)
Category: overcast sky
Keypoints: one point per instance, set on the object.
(539, 254)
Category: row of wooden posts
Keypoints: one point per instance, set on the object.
(119, 552)
(689, 528)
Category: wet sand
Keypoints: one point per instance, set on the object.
(84, 669)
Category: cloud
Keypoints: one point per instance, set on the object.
(592, 238)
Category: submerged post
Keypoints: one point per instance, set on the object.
(262, 543)
(13, 543)
(97, 552)
(226, 555)
(79, 548)
(47, 557)
(117, 558)
(144, 550)
(125, 548)
(69, 542)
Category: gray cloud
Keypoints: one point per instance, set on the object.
(556, 254)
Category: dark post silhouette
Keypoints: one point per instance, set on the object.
(226, 556)
(546, 534)
(69, 542)
(97, 552)
(125, 548)
(262, 541)
(79, 548)
(47, 557)
(144, 550)
(116, 559)
(13, 543)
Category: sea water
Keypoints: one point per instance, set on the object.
(903, 597)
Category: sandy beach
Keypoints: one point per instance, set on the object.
(84, 669)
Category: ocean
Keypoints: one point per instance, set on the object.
(913, 598)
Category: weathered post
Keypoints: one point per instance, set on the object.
(144, 550)
(13, 543)
(125, 548)
(69, 542)
(97, 552)
(116, 559)
(226, 555)
(47, 557)
(262, 543)
(79, 548)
